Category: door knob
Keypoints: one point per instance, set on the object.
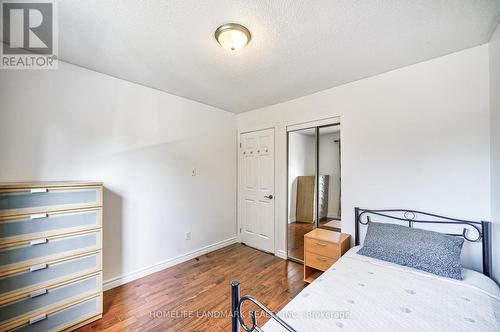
(269, 197)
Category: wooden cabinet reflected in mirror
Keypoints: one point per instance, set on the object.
(306, 198)
(304, 206)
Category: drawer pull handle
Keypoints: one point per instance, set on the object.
(321, 244)
(39, 216)
(37, 319)
(38, 241)
(39, 190)
(321, 259)
(38, 293)
(38, 267)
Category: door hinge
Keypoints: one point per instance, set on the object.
(240, 145)
(240, 229)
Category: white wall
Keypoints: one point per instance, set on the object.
(495, 146)
(301, 162)
(329, 165)
(416, 137)
(73, 123)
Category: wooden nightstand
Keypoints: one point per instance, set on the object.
(322, 248)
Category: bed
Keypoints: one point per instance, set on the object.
(360, 293)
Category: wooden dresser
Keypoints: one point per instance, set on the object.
(322, 248)
(50, 255)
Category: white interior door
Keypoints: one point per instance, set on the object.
(257, 189)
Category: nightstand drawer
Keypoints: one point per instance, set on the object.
(318, 262)
(322, 248)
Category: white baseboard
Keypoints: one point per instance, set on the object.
(281, 254)
(123, 279)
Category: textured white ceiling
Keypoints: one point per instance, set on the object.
(297, 48)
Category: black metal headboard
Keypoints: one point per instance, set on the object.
(473, 231)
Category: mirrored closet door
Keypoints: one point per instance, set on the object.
(313, 184)
(329, 178)
(301, 189)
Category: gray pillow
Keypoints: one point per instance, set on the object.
(428, 251)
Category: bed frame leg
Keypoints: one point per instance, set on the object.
(235, 302)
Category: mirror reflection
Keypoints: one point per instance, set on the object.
(313, 200)
(329, 177)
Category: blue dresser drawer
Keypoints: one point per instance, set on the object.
(28, 201)
(63, 319)
(44, 299)
(50, 255)
(45, 224)
(45, 275)
(44, 249)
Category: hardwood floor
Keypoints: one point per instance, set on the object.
(296, 231)
(193, 295)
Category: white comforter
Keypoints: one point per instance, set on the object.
(359, 293)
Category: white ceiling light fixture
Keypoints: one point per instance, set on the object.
(232, 36)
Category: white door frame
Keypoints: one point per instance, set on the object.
(238, 196)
